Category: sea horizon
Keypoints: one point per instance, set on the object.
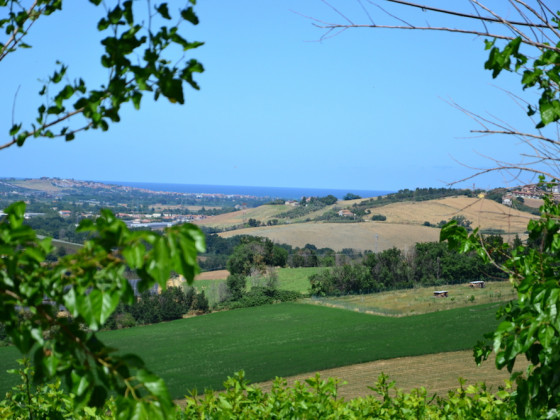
(293, 193)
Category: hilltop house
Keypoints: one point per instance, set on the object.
(345, 213)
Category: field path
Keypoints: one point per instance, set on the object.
(438, 373)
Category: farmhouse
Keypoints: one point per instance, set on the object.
(345, 213)
(441, 293)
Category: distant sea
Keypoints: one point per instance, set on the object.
(294, 193)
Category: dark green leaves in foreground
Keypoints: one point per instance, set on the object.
(542, 72)
(530, 325)
(90, 284)
(139, 56)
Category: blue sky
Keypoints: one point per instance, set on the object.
(367, 109)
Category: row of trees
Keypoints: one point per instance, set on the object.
(430, 263)
(151, 308)
(256, 254)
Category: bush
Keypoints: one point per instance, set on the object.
(317, 398)
(379, 217)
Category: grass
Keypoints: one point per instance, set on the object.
(421, 300)
(283, 340)
(296, 279)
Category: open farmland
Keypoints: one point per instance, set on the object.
(483, 213)
(438, 373)
(262, 213)
(403, 228)
(361, 236)
(284, 340)
(421, 300)
(295, 279)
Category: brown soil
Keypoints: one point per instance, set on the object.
(213, 275)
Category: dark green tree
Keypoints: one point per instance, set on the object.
(351, 196)
(236, 284)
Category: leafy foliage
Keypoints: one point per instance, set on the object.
(531, 325)
(255, 253)
(137, 58)
(430, 263)
(317, 398)
(90, 284)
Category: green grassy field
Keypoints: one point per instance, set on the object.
(421, 300)
(283, 340)
(296, 279)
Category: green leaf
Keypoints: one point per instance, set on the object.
(163, 10)
(15, 129)
(189, 15)
(110, 301)
(134, 255)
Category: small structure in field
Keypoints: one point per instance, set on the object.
(345, 213)
(441, 293)
(476, 284)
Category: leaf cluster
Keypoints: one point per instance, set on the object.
(531, 324)
(137, 59)
(89, 285)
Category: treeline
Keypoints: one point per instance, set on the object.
(57, 227)
(263, 252)
(428, 264)
(151, 307)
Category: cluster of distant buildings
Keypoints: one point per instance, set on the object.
(158, 220)
(533, 191)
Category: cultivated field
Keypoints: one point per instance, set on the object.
(36, 184)
(361, 236)
(284, 340)
(438, 373)
(212, 275)
(421, 300)
(262, 213)
(403, 228)
(481, 212)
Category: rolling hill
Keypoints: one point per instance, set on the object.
(405, 224)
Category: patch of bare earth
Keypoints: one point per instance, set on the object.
(438, 373)
(213, 275)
